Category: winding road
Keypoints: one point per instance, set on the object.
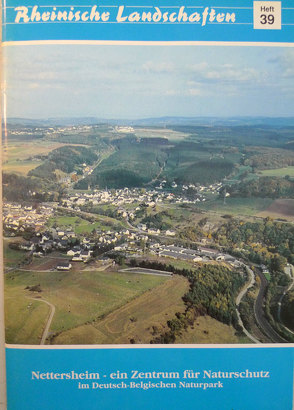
(238, 301)
(258, 309)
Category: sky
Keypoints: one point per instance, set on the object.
(115, 82)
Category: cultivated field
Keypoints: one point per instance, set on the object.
(280, 208)
(279, 172)
(19, 157)
(238, 206)
(21, 167)
(160, 133)
(140, 320)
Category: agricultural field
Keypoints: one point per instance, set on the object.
(137, 321)
(279, 172)
(237, 206)
(19, 157)
(172, 135)
(79, 298)
(280, 208)
(20, 167)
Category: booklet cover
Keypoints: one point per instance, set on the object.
(148, 204)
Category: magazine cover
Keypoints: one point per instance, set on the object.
(148, 204)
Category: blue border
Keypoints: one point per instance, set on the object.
(262, 393)
(240, 31)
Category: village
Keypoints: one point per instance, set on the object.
(149, 197)
(39, 238)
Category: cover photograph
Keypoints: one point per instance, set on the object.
(148, 204)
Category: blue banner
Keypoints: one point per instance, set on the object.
(154, 378)
(225, 21)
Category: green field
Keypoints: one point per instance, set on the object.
(18, 157)
(208, 330)
(172, 136)
(139, 320)
(82, 226)
(12, 257)
(237, 206)
(279, 172)
(25, 318)
(79, 298)
(20, 167)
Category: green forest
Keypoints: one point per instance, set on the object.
(65, 159)
(265, 241)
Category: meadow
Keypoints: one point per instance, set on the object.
(172, 135)
(82, 226)
(79, 298)
(136, 321)
(278, 172)
(237, 206)
(207, 330)
(11, 256)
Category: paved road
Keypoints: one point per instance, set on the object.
(49, 321)
(249, 335)
(248, 285)
(238, 301)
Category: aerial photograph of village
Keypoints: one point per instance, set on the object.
(148, 195)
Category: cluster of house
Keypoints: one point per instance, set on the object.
(18, 218)
(80, 250)
(154, 231)
(200, 189)
(26, 131)
(65, 129)
(121, 197)
(124, 130)
(118, 197)
(52, 239)
(211, 189)
(50, 131)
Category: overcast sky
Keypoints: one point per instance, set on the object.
(148, 81)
